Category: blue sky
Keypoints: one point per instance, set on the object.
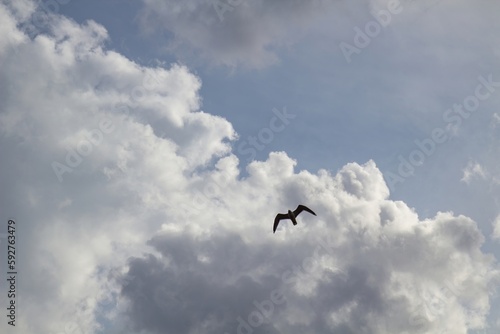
(391, 94)
(390, 118)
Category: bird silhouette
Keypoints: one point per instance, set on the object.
(290, 215)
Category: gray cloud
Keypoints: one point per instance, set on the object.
(179, 292)
(191, 243)
(246, 33)
(375, 269)
(251, 34)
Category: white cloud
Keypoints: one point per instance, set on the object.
(496, 228)
(379, 270)
(495, 120)
(473, 170)
(141, 230)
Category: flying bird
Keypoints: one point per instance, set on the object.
(290, 215)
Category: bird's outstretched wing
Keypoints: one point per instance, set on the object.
(301, 208)
(279, 217)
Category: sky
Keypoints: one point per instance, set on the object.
(148, 145)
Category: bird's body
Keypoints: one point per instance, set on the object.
(292, 215)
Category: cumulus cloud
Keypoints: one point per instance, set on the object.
(134, 216)
(367, 264)
(473, 170)
(80, 125)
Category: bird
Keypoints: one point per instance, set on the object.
(291, 215)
